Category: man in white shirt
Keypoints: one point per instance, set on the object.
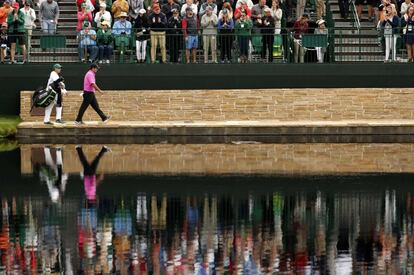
(55, 75)
(103, 15)
(29, 24)
(190, 4)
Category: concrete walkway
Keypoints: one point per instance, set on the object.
(219, 128)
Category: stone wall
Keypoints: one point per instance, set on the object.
(267, 159)
(219, 105)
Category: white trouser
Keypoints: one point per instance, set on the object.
(141, 49)
(390, 45)
(320, 53)
(48, 112)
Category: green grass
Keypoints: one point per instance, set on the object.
(8, 126)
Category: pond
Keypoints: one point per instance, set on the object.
(253, 208)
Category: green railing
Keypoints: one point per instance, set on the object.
(350, 46)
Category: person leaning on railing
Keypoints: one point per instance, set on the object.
(174, 35)
(243, 28)
(87, 43)
(408, 30)
(15, 21)
(158, 25)
(142, 35)
(105, 41)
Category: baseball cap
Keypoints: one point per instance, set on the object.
(142, 11)
(57, 66)
(102, 5)
(84, 5)
(16, 5)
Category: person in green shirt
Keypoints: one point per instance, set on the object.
(243, 31)
(15, 21)
(105, 43)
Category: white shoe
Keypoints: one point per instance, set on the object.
(107, 61)
(100, 61)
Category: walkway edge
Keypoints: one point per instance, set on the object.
(227, 128)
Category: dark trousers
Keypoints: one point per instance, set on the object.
(173, 42)
(344, 8)
(105, 52)
(59, 98)
(89, 99)
(268, 39)
(89, 169)
(226, 41)
(244, 45)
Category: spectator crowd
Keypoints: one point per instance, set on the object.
(175, 30)
(223, 30)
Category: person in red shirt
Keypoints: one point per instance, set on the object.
(4, 11)
(243, 7)
(300, 27)
(83, 15)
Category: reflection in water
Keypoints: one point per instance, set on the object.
(322, 232)
(284, 231)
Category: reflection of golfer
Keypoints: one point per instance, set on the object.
(89, 98)
(53, 174)
(89, 172)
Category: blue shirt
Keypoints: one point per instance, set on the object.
(122, 27)
(86, 38)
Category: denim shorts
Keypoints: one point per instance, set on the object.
(192, 42)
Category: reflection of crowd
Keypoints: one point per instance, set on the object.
(153, 234)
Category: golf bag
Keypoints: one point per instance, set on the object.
(43, 97)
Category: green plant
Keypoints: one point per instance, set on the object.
(8, 126)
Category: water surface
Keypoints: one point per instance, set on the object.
(79, 211)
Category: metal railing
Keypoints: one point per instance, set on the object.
(338, 45)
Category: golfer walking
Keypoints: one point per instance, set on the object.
(89, 88)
